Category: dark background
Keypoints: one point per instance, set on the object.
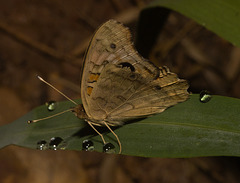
(49, 37)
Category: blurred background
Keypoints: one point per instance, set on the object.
(49, 38)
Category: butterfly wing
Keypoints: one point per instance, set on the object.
(110, 44)
(118, 84)
(122, 94)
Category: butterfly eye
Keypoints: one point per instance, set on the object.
(128, 65)
(113, 46)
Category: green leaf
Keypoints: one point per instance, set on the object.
(188, 129)
(219, 16)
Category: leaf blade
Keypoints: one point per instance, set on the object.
(188, 129)
(219, 16)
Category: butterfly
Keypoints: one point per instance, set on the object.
(119, 85)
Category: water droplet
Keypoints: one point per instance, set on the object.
(109, 148)
(87, 145)
(205, 96)
(42, 145)
(51, 105)
(54, 143)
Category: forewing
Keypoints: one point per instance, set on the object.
(111, 44)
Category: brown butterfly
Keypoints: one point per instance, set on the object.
(119, 85)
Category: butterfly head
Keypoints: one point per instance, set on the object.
(79, 112)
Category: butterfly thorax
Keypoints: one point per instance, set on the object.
(79, 111)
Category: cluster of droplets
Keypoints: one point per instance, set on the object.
(88, 145)
(55, 143)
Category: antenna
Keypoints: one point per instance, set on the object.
(41, 79)
(36, 120)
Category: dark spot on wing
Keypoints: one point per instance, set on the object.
(113, 46)
(128, 65)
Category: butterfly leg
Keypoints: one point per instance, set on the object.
(97, 132)
(120, 145)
